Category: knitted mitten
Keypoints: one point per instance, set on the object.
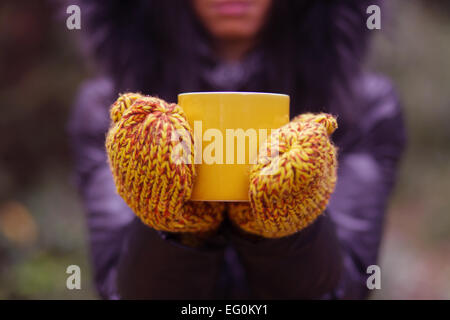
(153, 172)
(289, 190)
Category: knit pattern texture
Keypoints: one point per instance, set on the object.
(290, 184)
(152, 173)
(290, 189)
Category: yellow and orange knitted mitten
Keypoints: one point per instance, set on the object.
(290, 188)
(143, 158)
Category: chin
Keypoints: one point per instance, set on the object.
(234, 31)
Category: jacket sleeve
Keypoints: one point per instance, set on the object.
(329, 259)
(130, 260)
(367, 173)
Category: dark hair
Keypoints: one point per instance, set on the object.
(313, 48)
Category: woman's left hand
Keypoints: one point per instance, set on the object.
(292, 180)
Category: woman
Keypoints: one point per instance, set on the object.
(311, 50)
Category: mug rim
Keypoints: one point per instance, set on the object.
(232, 93)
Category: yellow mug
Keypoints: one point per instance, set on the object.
(228, 129)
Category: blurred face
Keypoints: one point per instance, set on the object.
(232, 19)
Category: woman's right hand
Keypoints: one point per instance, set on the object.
(150, 149)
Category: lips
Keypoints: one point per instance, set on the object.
(232, 8)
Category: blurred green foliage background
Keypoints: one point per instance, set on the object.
(42, 225)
